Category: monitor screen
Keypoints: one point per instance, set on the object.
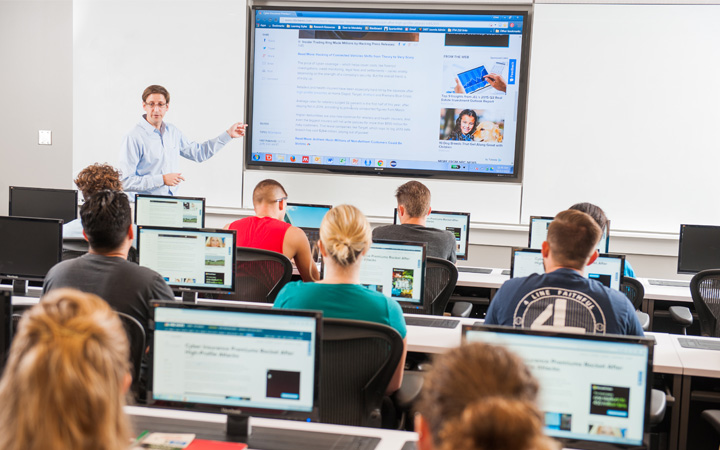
(539, 228)
(306, 216)
(458, 223)
(164, 211)
(396, 269)
(370, 90)
(607, 268)
(592, 387)
(43, 203)
(194, 260)
(236, 360)
(29, 247)
(699, 248)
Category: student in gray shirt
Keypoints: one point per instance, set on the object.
(105, 270)
(413, 200)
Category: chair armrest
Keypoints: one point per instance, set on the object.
(644, 319)
(461, 309)
(713, 417)
(681, 315)
(658, 405)
(409, 389)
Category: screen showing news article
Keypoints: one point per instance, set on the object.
(421, 91)
(527, 263)
(195, 259)
(607, 270)
(396, 270)
(169, 212)
(234, 358)
(457, 224)
(590, 390)
(538, 232)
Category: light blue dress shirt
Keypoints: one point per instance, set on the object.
(148, 153)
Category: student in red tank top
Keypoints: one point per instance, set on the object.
(267, 230)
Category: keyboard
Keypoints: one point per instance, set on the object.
(277, 439)
(669, 283)
(409, 445)
(506, 272)
(473, 269)
(431, 322)
(699, 344)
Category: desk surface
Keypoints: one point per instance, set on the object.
(697, 362)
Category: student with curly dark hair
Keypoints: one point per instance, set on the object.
(94, 178)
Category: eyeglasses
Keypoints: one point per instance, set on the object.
(281, 199)
(158, 105)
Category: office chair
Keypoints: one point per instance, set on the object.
(259, 275)
(705, 292)
(76, 247)
(359, 360)
(635, 292)
(136, 338)
(440, 279)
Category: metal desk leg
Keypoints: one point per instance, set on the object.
(685, 412)
(650, 310)
(676, 410)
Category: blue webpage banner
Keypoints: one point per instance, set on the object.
(232, 331)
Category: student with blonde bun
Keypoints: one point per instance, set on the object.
(66, 377)
(480, 397)
(345, 237)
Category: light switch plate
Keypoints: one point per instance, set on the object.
(44, 137)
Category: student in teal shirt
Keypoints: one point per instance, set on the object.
(345, 237)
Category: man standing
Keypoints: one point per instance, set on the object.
(413, 199)
(562, 298)
(149, 156)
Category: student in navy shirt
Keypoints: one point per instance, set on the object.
(562, 298)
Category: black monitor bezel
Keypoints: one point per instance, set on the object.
(6, 326)
(27, 188)
(647, 342)
(448, 213)
(680, 268)
(313, 415)
(183, 288)
(522, 109)
(423, 306)
(606, 232)
(35, 277)
(329, 207)
(161, 197)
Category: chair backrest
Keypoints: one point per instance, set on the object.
(259, 275)
(136, 336)
(634, 291)
(440, 279)
(705, 292)
(76, 247)
(358, 362)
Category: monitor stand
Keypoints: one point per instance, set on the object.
(189, 297)
(238, 428)
(20, 287)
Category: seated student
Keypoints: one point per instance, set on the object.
(93, 178)
(480, 397)
(267, 230)
(562, 297)
(66, 377)
(413, 200)
(105, 270)
(344, 240)
(599, 216)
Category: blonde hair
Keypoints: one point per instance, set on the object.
(62, 388)
(482, 397)
(345, 233)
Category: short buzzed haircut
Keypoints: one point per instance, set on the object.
(106, 217)
(415, 197)
(156, 89)
(593, 211)
(573, 236)
(266, 191)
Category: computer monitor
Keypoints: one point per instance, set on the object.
(29, 247)
(307, 217)
(165, 211)
(699, 248)
(43, 203)
(607, 268)
(397, 270)
(539, 228)
(456, 222)
(236, 360)
(6, 326)
(190, 261)
(594, 389)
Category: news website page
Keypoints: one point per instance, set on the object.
(169, 212)
(457, 224)
(419, 91)
(589, 390)
(234, 358)
(526, 263)
(394, 270)
(194, 259)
